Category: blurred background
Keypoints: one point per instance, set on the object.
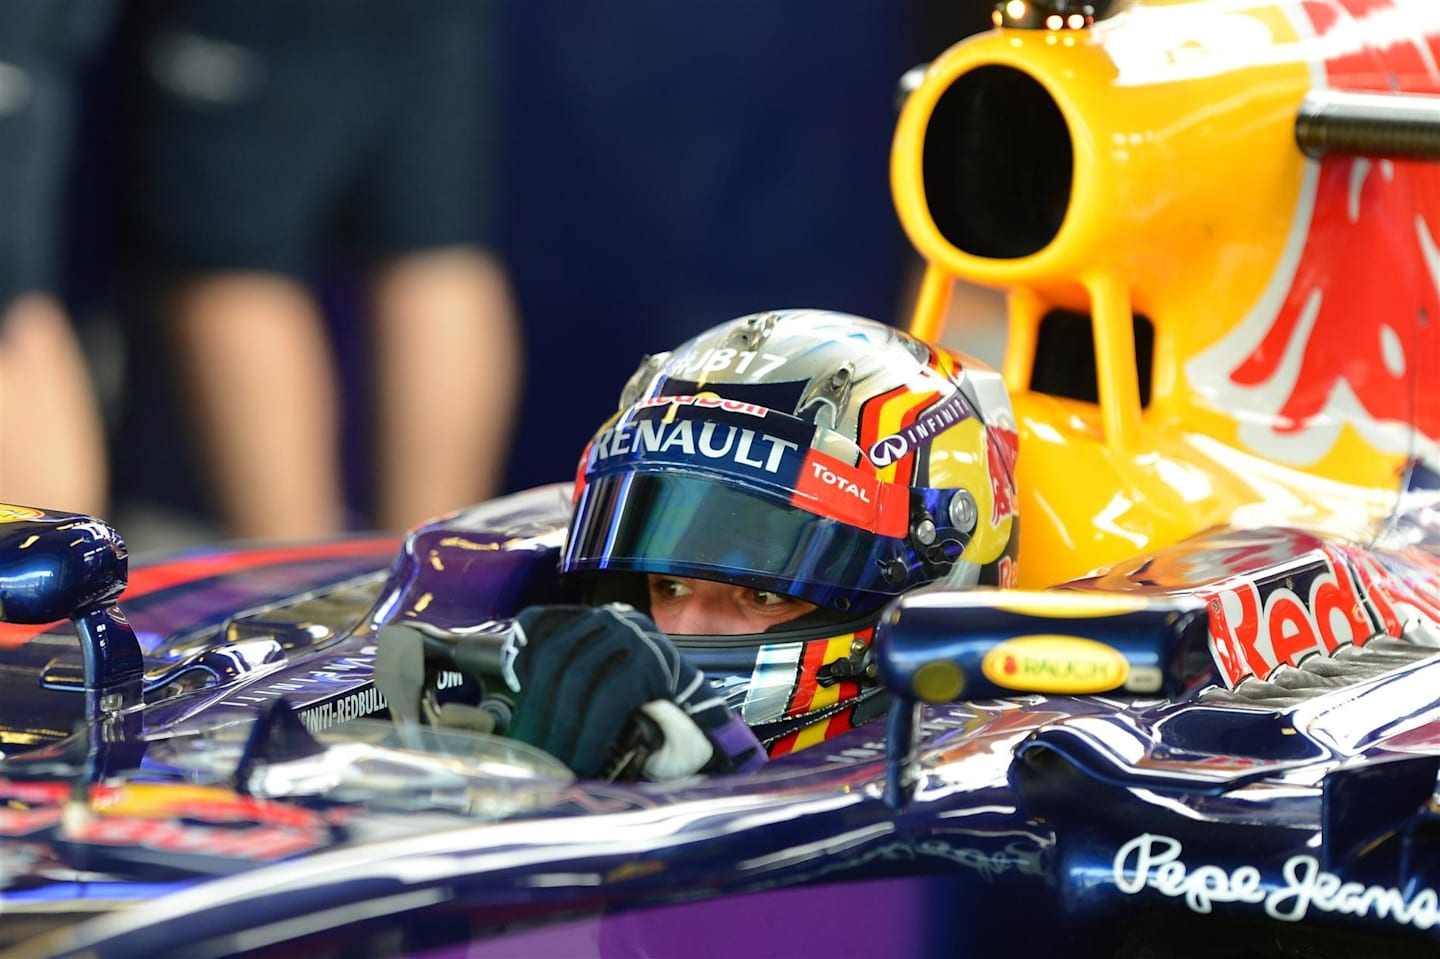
(635, 171)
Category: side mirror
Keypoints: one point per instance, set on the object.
(56, 566)
(53, 565)
(948, 645)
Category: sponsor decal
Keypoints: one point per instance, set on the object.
(1009, 577)
(1410, 589)
(707, 440)
(1023, 856)
(834, 488)
(708, 401)
(1000, 448)
(1314, 608)
(332, 712)
(827, 476)
(1055, 664)
(231, 841)
(890, 449)
(1153, 861)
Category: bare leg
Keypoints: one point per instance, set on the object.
(52, 444)
(448, 365)
(259, 370)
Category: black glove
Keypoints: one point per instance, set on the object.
(583, 673)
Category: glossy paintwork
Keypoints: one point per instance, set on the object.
(978, 836)
(56, 563)
(1277, 784)
(198, 596)
(1289, 296)
(1011, 798)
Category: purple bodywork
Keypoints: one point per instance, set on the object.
(1297, 804)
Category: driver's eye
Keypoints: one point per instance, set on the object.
(669, 589)
(764, 597)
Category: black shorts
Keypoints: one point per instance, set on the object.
(43, 46)
(267, 132)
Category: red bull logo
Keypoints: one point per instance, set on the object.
(1339, 337)
(1000, 448)
(1256, 627)
(704, 401)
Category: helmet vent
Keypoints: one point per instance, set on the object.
(826, 396)
(754, 330)
(640, 380)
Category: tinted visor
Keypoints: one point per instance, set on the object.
(687, 525)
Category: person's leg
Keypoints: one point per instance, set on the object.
(52, 444)
(448, 369)
(52, 441)
(236, 174)
(259, 373)
(447, 345)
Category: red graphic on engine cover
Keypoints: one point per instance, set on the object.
(1313, 607)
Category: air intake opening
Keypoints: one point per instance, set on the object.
(997, 164)
(1065, 357)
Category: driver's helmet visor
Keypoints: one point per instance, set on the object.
(737, 496)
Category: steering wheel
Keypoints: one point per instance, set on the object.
(408, 655)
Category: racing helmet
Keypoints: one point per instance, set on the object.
(814, 454)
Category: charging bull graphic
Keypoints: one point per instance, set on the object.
(1347, 325)
(1263, 314)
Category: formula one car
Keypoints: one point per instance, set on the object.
(1206, 722)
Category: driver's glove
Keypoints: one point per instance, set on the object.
(582, 673)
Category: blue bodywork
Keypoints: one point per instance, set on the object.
(1179, 812)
